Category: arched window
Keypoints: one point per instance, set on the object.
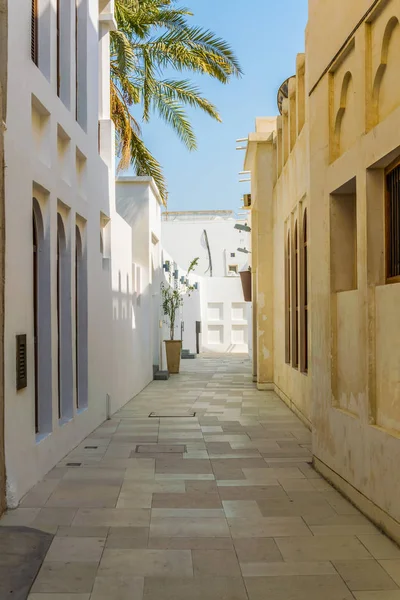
(41, 304)
(64, 325)
(305, 296)
(60, 249)
(78, 257)
(295, 266)
(287, 298)
(35, 315)
(81, 322)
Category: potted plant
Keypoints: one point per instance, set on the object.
(172, 294)
(246, 284)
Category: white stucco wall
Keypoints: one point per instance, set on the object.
(219, 303)
(138, 203)
(70, 169)
(182, 237)
(48, 155)
(224, 315)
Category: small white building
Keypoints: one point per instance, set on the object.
(223, 316)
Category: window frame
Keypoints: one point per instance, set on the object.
(392, 167)
(35, 32)
(296, 296)
(58, 38)
(35, 240)
(288, 302)
(304, 348)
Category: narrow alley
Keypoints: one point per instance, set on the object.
(201, 488)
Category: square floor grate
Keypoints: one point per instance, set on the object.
(160, 449)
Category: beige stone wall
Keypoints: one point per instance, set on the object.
(355, 313)
(261, 164)
(325, 17)
(290, 201)
(329, 156)
(2, 457)
(278, 159)
(3, 106)
(356, 323)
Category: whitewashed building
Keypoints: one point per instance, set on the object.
(83, 255)
(59, 173)
(220, 309)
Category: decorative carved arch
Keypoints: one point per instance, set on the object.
(387, 38)
(347, 79)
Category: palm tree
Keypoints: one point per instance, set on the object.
(152, 36)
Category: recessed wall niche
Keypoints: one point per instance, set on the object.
(64, 154)
(343, 237)
(81, 172)
(40, 119)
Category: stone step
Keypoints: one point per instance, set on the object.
(161, 375)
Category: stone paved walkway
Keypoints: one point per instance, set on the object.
(224, 505)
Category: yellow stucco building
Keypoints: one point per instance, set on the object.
(326, 248)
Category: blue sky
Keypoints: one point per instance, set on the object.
(266, 37)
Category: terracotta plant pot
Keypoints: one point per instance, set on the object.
(245, 276)
(173, 349)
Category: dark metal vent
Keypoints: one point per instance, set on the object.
(74, 464)
(22, 375)
(91, 447)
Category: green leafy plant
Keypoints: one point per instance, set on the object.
(172, 294)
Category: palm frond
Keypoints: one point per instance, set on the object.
(145, 164)
(172, 112)
(154, 35)
(188, 94)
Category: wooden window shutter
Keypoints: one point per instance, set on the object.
(34, 32)
(393, 224)
(58, 48)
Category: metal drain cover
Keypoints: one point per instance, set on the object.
(160, 449)
(161, 415)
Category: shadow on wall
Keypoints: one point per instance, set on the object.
(131, 332)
